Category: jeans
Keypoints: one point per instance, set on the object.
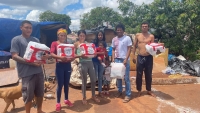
(63, 74)
(126, 78)
(99, 69)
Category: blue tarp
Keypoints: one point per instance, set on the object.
(10, 28)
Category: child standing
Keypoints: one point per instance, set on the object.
(103, 52)
(106, 78)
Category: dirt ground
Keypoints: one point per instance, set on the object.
(170, 99)
(182, 98)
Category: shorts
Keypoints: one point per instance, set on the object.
(32, 85)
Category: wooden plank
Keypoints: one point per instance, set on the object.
(8, 77)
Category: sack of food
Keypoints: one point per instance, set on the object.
(117, 70)
(88, 49)
(152, 48)
(35, 51)
(66, 50)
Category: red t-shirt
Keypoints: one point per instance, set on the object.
(102, 50)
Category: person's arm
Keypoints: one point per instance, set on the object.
(129, 45)
(17, 58)
(15, 54)
(134, 47)
(113, 50)
(98, 52)
(135, 44)
(106, 53)
(152, 38)
(152, 41)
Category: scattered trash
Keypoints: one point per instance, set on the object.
(184, 66)
(181, 57)
(175, 76)
(49, 95)
(169, 71)
(170, 56)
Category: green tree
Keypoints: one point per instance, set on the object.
(50, 16)
(175, 22)
(97, 16)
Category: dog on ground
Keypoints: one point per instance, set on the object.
(9, 94)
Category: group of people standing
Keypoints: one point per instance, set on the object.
(33, 79)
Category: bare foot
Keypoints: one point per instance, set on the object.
(139, 93)
(95, 99)
(84, 101)
(151, 94)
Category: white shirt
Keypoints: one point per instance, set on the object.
(122, 47)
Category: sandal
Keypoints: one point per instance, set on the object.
(95, 99)
(126, 99)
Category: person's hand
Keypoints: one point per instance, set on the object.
(45, 57)
(63, 59)
(73, 59)
(158, 52)
(134, 60)
(70, 59)
(37, 64)
(95, 54)
(83, 56)
(125, 62)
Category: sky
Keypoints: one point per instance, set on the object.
(31, 9)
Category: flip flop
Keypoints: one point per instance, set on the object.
(126, 99)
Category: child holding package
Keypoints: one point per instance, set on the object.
(101, 57)
(106, 78)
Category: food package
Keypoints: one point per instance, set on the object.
(88, 49)
(35, 51)
(66, 50)
(152, 48)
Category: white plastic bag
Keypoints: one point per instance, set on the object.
(152, 48)
(117, 70)
(34, 52)
(181, 57)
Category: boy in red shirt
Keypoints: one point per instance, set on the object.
(101, 53)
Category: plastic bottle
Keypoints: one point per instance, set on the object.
(12, 63)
